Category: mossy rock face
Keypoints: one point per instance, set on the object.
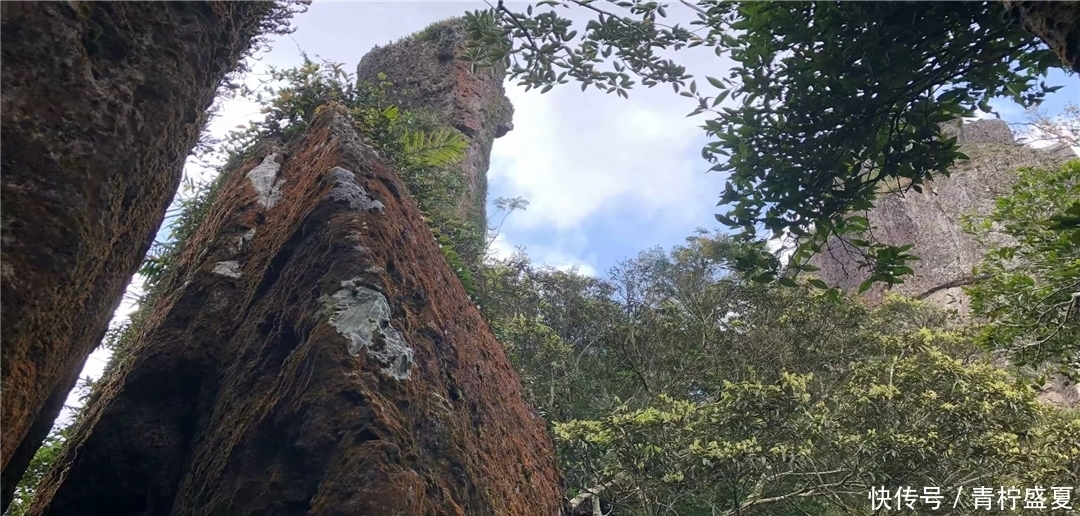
(315, 356)
(428, 76)
(102, 103)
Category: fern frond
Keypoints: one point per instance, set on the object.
(437, 149)
(391, 114)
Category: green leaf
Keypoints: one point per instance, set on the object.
(763, 278)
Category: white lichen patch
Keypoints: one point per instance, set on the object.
(229, 269)
(346, 190)
(362, 316)
(245, 239)
(264, 181)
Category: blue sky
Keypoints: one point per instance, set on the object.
(605, 177)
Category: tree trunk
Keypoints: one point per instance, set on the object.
(313, 354)
(1056, 23)
(102, 102)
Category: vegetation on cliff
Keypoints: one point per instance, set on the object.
(102, 104)
(418, 145)
(1029, 286)
(290, 98)
(682, 383)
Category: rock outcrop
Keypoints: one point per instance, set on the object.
(1056, 23)
(312, 354)
(102, 103)
(427, 75)
(931, 220)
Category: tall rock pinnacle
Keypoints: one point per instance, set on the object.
(428, 76)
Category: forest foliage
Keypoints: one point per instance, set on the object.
(1029, 291)
(683, 384)
(678, 386)
(824, 103)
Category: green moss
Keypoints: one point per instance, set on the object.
(435, 32)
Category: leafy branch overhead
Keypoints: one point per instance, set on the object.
(825, 102)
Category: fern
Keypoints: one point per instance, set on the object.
(440, 148)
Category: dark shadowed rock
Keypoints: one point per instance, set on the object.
(428, 75)
(102, 102)
(314, 355)
(1056, 23)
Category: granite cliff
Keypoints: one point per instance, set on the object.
(312, 352)
(314, 355)
(427, 76)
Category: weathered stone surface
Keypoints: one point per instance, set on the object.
(931, 220)
(102, 102)
(1056, 23)
(338, 368)
(427, 75)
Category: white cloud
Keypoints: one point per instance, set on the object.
(566, 263)
(601, 172)
(501, 248)
(574, 154)
(544, 255)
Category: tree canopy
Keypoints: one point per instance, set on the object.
(677, 386)
(826, 101)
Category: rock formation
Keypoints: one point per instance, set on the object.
(102, 103)
(931, 220)
(313, 354)
(1056, 23)
(423, 68)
